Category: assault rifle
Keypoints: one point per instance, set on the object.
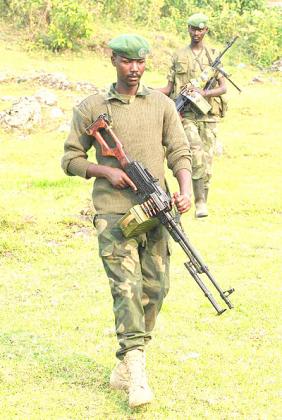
(155, 202)
(205, 81)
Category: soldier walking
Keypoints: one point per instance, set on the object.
(137, 268)
(187, 64)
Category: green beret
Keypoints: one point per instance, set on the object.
(198, 20)
(130, 46)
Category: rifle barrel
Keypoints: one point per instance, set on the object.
(228, 78)
(196, 265)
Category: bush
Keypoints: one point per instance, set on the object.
(238, 6)
(260, 36)
(63, 24)
(28, 14)
(56, 24)
(70, 22)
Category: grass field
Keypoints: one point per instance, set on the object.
(57, 341)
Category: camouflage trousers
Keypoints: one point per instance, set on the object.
(138, 273)
(202, 139)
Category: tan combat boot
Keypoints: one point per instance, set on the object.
(200, 199)
(119, 378)
(139, 391)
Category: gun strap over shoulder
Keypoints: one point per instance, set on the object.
(109, 109)
(209, 56)
(197, 58)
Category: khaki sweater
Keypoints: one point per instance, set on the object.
(148, 127)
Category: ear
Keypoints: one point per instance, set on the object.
(113, 59)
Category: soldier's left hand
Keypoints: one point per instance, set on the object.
(182, 202)
(192, 89)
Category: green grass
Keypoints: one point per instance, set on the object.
(57, 343)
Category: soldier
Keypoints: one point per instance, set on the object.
(188, 63)
(137, 268)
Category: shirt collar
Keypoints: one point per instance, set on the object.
(113, 94)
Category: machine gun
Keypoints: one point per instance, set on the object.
(205, 81)
(156, 203)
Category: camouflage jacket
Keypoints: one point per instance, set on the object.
(186, 65)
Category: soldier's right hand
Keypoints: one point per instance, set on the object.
(119, 179)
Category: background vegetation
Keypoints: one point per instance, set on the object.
(62, 24)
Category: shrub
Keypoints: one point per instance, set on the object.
(260, 36)
(57, 24)
(63, 24)
(29, 14)
(70, 22)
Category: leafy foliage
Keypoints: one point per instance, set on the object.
(25, 13)
(260, 37)
(238, 6)
(56, 24)
(63, 24)
(69, 22)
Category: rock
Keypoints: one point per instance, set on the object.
(277, 65)
(64, 128)
(56, 113)
(7, 98)
(53, 80)
(4, 77)
(257, 79)
(24, 113)
(45, 96)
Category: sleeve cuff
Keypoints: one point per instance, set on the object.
(78, 166)
(181, 164)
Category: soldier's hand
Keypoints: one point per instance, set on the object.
(181, 116)
(191, 89)
(182, 202)
(119, 179)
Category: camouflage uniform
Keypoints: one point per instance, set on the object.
(200, 129)
(202, 138)
(138, 272)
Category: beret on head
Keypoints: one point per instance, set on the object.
(130, 46)
(198, 20)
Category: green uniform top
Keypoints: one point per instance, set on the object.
(187, 65)
(149, 129)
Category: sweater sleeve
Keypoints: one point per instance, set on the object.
(75, 158)
(178, 151)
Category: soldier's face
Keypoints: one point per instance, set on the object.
(129, 71)
(197, 34)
